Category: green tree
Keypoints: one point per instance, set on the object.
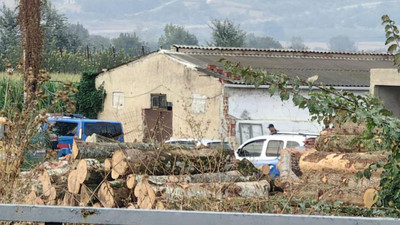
(99, 42)
(80, 32)
(392, 39)
(10, 37)
(297, 43)
(341, 43)
(55, 31)
(226, 34)
(9, 30)
(174, 34)
(262, 42)
(130, 43)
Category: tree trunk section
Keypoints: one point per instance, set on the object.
(89, 171)
(338, 162)
(73, 182)
(113, 195)
(223, 177)
(83, 150)
(370, 197)
(340, 143)
(213, 190)
(166, 162)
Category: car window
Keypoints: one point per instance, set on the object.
(292, 144)
(274, 147)
(64, 128)
(109, 130)
(252, 149)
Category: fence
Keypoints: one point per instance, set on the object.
(58, 215)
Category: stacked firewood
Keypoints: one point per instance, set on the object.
(329, 171)
(141, 176)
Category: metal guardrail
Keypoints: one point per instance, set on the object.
(58, 214)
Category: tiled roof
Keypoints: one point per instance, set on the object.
(334, 68)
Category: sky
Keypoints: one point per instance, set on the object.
(315, 21)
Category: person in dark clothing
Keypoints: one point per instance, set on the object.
(272, 129)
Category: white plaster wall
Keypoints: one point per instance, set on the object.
(250, 105)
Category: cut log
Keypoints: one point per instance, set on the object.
(160, 206)
(69, 199)
(105, 195)
(145, 195)
(111, 195)
(213, 190)
(107, 165)
(31, 198)
(348, 128)
(83, 150)
(370, 197)
(265, 170)
(59, 175)
(338, 162)
(340, 143)
(156, 162)
(89, 171)
(53, 194)
(226, 177)
(85, 196)
(46, 184)
(247, 168)
(74, 150)
(97, 205)
(114, 175)
(348, 180)
(288, 167)
(73, 182)
(130, 181)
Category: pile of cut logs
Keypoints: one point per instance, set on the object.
(127, 175)
(328, 172)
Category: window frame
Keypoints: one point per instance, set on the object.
(254, 141)
(120, 103)
(251, 130)
(278, 150)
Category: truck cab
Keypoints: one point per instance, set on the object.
(63, 129)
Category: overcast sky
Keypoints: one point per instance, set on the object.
(316, 21)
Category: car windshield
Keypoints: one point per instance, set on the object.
(64, 128)
(109, 130)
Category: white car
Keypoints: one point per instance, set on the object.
(265, 150)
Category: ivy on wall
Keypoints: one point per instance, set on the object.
(90, 99)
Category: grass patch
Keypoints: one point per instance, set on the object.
(62, 77)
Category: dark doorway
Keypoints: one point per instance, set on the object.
(158, 125)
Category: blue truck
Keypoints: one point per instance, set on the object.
(62, 130)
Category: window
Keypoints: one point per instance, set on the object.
(159, 101)
(64, 128)
(248, 131)
(292, 144)
(118, 100)
(109, 130)
(252, 149)
(274, 148)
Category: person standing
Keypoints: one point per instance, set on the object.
(272, 129)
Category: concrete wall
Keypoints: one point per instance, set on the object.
(385, 85)
(196, 98)
(256, 106)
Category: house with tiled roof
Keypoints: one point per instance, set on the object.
(184, 92)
